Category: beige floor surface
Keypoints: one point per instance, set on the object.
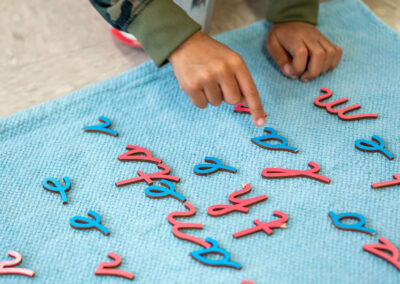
(52, 48)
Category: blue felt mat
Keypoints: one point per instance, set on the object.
(148, 109)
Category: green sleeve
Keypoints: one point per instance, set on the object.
(280, 11)
(161, 27)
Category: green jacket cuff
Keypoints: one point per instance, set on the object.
(280, 11)
(161, 27)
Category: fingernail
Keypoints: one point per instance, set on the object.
(287, 70)
(305, 80)
(260, 122)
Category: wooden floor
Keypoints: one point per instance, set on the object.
(51, 48)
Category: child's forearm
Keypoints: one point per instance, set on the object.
(160, 25)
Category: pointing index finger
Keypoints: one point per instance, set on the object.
(251, 95)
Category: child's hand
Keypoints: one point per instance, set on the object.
(210, 72)
(300, 49)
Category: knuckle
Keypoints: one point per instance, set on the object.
(236, 60)
(220, 67)
(205, 76)
(319, 52)
(301, 51)
(232, 100)
(190, 86)
(331, 51)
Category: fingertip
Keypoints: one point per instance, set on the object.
(260, 121)
(202, 106)
(288, 71)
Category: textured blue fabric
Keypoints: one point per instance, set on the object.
(148, 109)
